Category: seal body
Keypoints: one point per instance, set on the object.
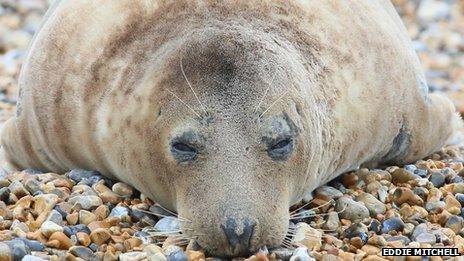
(227, 111)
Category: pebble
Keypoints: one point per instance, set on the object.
(122, 189)
(402, 176)
(427, 238)
(351, 210)
(82, 252)
(120, 212)
(86, 217)
(437, 179)
(177, 255)
(307, 236)
(64, 241)
(5, 252)
(49, 227)
(455, 223)
(86, 202)
(356, 230)
(133, 256)
(392, 224)
(167, 224)
(77, 175)
(100, 236)
(301, 254)
(329, 192)
(374, 206)
(55, 217)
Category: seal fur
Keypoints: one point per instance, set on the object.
(226, 111)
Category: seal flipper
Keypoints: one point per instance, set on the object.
(428, 128)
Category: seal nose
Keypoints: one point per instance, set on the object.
(239, 236)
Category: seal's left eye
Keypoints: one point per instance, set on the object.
(183, 152)
(281, 149)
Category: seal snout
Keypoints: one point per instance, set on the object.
(239, 234)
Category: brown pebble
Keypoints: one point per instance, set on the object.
(357, 242)
(102, 212)
(349, 179)
(132, 242)
(100, 236)
(110, 197)
(405, 195)
(198, 255)
(64, 241)
(83, 238)
(86, 217)
(72, 218)
(401, 176)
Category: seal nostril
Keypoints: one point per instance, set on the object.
(243, 240)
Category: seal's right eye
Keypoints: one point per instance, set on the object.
(183, 152)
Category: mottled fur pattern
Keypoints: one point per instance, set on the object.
(103, 89)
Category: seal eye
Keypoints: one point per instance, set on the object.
(281, 149)
(183, 152)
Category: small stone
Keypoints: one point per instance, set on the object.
(82, 252)
(73, 218)
(460, 197)
(19, 249)
(405, 195)
(110, 197)
(167, 224)
(356, 230)
(435, 206)
(133, 256)
(177, 255)
(419, 229)
(32, 185)
(123, 189)
(154, 253)
(195, 255)
(400, 176)
(55, 217)
(301, 254)
(458, 188)
(64, 241)
(375, 226)
(102, 212)
(77, 175)
(455, 223)
(349, 179)
(132, 242)
(86, 217)
(452, 205)
(45, 202)
(18, 189)
(329, 192)
(437, 179)
(49, 227)
(100, 236)
(426, 238)
(403, 239)
(308, 236)
(83, 238)
(30, 258)
(5, 252)
(86, 202)
(351, 210)
(333, 221)
(32, 244)
(394, 223)
(120, 212)
(374, 206)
